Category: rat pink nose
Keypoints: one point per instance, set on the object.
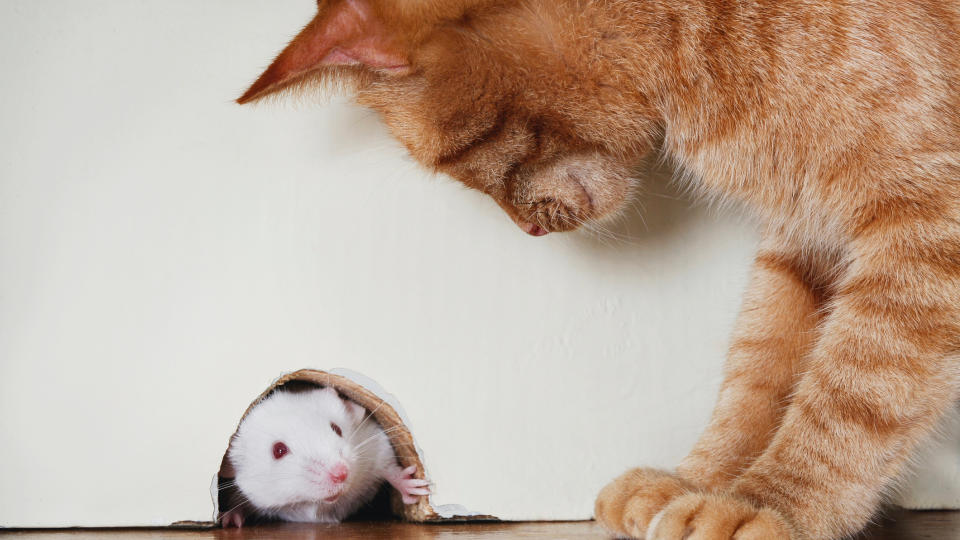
(339, 473)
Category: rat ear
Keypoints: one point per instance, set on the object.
(344, 33)
(354, 410)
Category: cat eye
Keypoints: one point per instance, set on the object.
(280, 450)
(336, 429)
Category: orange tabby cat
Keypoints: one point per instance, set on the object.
(837, 121)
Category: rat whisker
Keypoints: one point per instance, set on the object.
(385, 432)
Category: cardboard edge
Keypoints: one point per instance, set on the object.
(389, 418)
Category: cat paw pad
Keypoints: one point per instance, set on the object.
(626, 506)
(698, 516)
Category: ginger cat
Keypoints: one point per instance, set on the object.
(837, 122)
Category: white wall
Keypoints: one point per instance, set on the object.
(164, 254)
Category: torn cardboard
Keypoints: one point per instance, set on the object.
(387, 411)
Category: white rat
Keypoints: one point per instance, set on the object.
(312, 456)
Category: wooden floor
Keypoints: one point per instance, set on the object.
(899, 526)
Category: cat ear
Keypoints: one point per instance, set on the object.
(344, 33)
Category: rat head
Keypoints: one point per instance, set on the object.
(526, 101)
(294, 447)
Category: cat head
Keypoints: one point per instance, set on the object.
(522, 100)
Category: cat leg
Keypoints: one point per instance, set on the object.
(774, 330)
(882, 374)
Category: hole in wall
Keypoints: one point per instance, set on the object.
(385, 410)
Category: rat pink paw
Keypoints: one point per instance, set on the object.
(233, 518)
(410, 488)
(699, 516)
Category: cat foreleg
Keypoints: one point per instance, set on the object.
(882, 374)
(774, 332)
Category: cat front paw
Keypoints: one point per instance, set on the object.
(410, 488)
(627, 505)
(713, 516)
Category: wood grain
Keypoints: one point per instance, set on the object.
(898, 526)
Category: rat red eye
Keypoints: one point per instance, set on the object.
(336, 429)
(280, 450)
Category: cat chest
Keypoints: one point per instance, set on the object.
(781, 192)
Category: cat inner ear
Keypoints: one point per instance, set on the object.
(344, 33)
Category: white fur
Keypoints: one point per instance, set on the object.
(286, 488)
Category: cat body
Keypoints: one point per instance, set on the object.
(836, 122)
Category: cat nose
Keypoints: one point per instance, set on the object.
(338, 473)
(531, 229)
